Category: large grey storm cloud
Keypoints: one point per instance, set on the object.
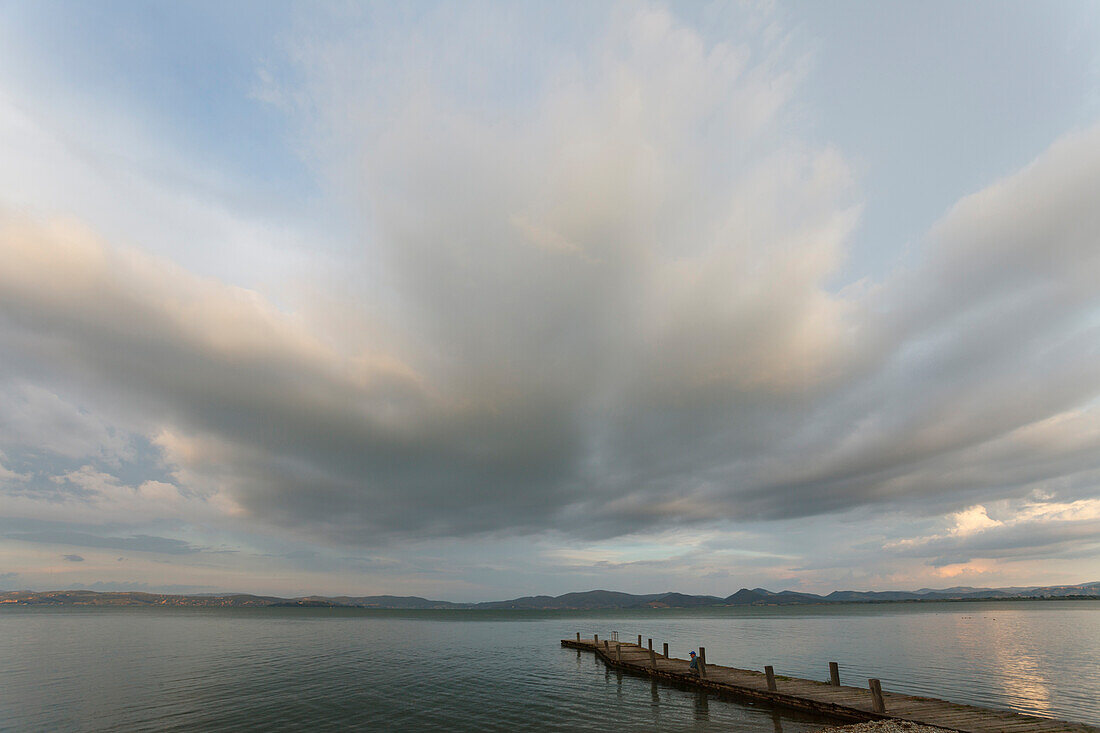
(612, 310)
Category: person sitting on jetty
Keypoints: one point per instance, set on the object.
(694, 666)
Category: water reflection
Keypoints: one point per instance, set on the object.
(702, 707)
(1007, 651)
(1020, 676)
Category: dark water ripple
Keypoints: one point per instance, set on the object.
(323, 669)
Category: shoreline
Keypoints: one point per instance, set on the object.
(883, 726)
(132, 599)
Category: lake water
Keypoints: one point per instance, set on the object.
(329, 669)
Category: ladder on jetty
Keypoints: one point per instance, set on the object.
(828, 699)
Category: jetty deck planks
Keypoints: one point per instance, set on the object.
(842, 703)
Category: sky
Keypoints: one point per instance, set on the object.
(479, 300)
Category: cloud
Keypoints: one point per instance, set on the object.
(135, 586)
(89, 497)
(73, 558)
(9, 476)
(37, 419)
(484, 413)
(974, 519)
(1026, 531)
(983, 354)
(135, 543)
(603, 308)
(106, 164)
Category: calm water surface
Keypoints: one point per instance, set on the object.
(328, 669)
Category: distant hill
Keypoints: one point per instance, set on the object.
(396, 602)
(133, 598)
(589, 600)
(585, 601)
(679, 600)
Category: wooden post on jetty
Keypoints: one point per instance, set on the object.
(618, 652)
(665, 653)
(834, 674)
(878, 705)
(652, 655)
(578, 637)
(769, 674)
(702, 661)
(605, 647)
(596, 639)
(639, 640)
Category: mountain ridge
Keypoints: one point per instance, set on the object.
(580, 601)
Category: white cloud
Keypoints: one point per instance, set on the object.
(974, 519)
(1025, 531)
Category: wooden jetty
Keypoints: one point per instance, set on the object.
(831, 700)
